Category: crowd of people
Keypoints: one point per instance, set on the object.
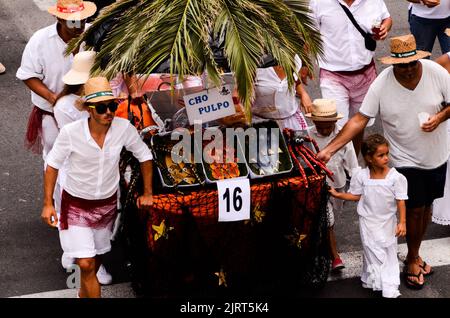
(73, 125)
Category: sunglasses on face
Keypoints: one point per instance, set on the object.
(406, 65)
(101, 108)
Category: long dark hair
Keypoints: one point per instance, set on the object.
(70, 89)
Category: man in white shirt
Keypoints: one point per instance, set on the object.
(428, 20)
(347, 68)
(91, 148)
(400, 95)
(43, 66)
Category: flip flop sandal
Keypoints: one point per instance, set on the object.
(410, 283)
(423, 266)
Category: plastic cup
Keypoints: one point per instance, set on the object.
(423, 118)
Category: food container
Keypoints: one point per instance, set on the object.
(220, 169)
(267, 160)
(175, 174)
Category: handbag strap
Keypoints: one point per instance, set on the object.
(352, 19)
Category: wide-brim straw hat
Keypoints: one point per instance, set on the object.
(97, 89)
(73, 9)
(324, 110)
(81, 68)
(404, 50)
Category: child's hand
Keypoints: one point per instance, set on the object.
(333, 192)
(401, 230)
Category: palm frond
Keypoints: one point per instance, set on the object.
(146, 33)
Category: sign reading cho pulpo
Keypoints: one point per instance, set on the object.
(210, 104)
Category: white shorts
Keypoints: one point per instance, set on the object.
(85, 242)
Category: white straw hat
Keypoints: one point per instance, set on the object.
(81, 67)
(324, 110)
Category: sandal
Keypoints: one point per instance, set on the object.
(423, 266)
(411, 283)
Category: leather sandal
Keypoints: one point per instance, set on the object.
(411, 283)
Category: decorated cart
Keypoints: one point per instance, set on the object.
(247, 216)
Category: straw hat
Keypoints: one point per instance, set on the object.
(97, 89)
(324, 110)
(73, 9)
(404, 50)
(81, 67)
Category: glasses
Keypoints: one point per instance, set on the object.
(406, 65)
(101, 108)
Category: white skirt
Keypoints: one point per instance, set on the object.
(441, 207)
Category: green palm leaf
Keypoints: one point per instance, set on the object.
(146, 33)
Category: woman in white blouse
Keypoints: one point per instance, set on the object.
(274, 100)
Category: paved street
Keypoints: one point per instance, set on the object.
(29, 250)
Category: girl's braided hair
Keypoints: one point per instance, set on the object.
(371, 143)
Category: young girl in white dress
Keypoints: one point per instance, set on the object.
(381, 192)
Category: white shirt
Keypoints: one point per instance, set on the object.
(343, 45)
(343, 160)
(44, 59)
(441, 11)
(93, 172)
(66, 111)
(273, 99)
(398, 108)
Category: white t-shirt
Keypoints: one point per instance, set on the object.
(441, 11)
(66, 112)
(343, 45)
(398, 108)
(343, 160)
(273, 99)
(93, 172)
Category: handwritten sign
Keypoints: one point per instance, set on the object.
(209, 104)
(234, 200)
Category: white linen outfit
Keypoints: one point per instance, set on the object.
(343, 160)
(44, 58)
(377, 209)
(92, 174)
(398, 107)
(65, 113)
(274, 100)
(441, 207)
(345, 52)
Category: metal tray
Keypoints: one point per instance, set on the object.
(242, 166)
(164, 139)
(272, 166)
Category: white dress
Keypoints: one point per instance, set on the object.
(441, 207)
(377, 211)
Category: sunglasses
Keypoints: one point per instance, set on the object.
(406, 65)
(101, 108)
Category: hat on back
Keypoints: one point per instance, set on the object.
(404, 50)
(73, 9)
(324, 110)
(81, 67)
(97, 89)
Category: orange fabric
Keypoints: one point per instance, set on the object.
(141, 120)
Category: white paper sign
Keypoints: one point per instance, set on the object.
(210, 104)
(234, 200)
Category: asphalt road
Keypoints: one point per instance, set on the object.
(30, 252)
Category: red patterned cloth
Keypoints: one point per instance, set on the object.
(96, 214)
(33, 137)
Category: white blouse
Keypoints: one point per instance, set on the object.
(273, 99)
